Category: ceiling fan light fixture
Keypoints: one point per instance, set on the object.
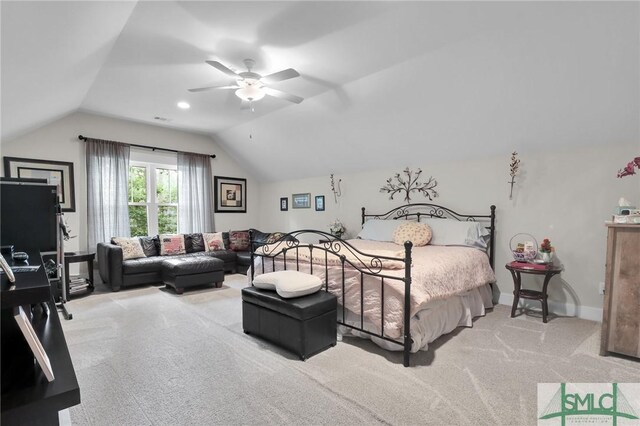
(250, 93)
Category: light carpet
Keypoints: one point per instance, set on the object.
(146, 356)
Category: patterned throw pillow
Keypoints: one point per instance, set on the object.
(418, 233)
(213, 241)
(275, 237)
(131, 248)
(239, 240)
(171, 244)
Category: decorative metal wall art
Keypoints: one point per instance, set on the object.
(336, 193)
(513, 170)
(410, 184)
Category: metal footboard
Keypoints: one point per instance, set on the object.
(287, 250)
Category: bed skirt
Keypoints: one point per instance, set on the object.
(435, 319)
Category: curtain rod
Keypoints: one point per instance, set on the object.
(153, 148)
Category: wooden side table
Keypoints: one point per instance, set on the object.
(76, 257)
(516, 269)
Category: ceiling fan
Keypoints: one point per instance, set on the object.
(251, 87)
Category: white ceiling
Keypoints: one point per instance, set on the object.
(462, 74)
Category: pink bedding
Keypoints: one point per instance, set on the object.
(437, 272)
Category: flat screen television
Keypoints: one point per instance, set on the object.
(28, 219)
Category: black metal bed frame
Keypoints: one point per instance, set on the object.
(365, 263)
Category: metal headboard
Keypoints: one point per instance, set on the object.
(418, 210)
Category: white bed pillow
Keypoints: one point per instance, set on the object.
(452, 232)
(379, 229)
(289, 284)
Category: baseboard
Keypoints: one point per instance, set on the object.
(564, 309)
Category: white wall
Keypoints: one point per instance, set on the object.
(59, 141)
(562, 195)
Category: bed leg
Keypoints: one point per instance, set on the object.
(407, 302)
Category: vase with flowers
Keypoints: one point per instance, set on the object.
(337, 228)
(546, 250)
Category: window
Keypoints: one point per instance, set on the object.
(153, 199)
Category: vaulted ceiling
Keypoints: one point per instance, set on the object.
(444, 78)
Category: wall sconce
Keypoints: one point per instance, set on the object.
(336, 193)
(513, 171)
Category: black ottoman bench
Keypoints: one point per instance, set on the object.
(192, 271)
(304, 325)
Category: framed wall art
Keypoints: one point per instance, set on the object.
(301, 201)
(58, 173)
(319, 203)
(230, 194)
(284, 204)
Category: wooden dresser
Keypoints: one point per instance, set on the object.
(621, 310)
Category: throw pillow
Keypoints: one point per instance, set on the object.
(172, 244)
(289, 284)
(213, 241)
(149, 246)
(418, 233)
(131, 248)
(193, 243)
(452, 232)
(275, 237)
(239, 240)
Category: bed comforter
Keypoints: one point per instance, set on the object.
(437, 272)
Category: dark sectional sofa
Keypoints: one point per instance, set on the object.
(117, 273)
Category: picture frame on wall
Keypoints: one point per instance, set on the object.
(284, 204)
(58, 173)
(230, 194)
(319, 203)
(301, 201)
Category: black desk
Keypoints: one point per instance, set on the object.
(27, 396)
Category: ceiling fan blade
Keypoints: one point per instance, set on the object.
(217, 65)
(282, 95)
(280, 75)
(202, 89)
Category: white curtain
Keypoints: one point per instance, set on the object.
(107, 188)
(195, 195)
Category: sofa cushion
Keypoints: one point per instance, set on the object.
(244, 257)
(226, 255)
(142, 265)
(193, 243)
(239, 240)
(149, 246)
(213, 241)
(131, 248)
(171, 244)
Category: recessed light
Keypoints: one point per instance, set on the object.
(183, 105)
